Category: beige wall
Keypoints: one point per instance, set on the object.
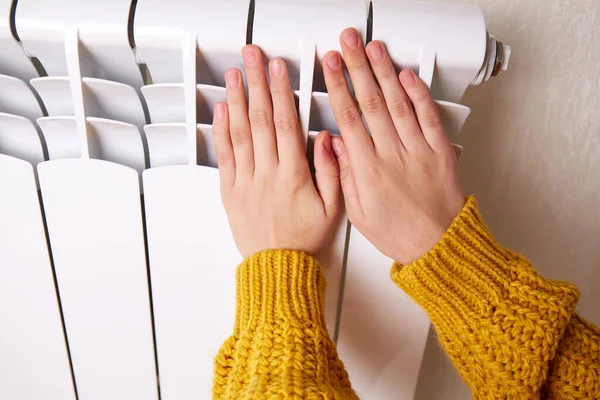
(532, 153)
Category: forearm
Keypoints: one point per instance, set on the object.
(499, 321)
(280, 347)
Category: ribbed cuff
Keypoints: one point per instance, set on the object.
(468, 271)
(279, 286)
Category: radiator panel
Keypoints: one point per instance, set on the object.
(121, 89)
(166, 144)
(17, 98)
(93, 210)
(60, 135)
(20, 138)
(55, 93)
(383, 332)
(113, 100)
(33, 355)
(165, 102)
(193, 260)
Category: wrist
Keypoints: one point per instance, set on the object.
(471, 271)
(429, 230)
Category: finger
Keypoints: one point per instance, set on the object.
(239, 127)
(347, 180)
(369, 96)
(426, 110)
(222, 144)
(260, 109)
(346, 113)
(327, 174)
(290, 143)
(397, 101)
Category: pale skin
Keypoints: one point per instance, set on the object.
(400, 184)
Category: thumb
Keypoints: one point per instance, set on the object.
(346, 176)
(327, 173)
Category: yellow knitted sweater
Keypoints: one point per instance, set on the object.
(510, 333)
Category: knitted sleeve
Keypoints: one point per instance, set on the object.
(510, 333)
(575, 371)
(280, 347)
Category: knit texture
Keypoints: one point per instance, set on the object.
(280, 348)
(510, 333)
(575, 371)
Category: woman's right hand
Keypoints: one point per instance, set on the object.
(271, 199)
(400, 184)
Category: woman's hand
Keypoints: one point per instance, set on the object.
(400, 184)
(266, 185)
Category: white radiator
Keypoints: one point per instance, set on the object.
(116, 261)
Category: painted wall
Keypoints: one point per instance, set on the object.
(532, 153)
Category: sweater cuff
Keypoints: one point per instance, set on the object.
(468, 271)
(279, 287)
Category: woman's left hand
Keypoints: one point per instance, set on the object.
(267, 189)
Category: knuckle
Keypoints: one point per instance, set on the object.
(356, 62)
(332, 169)
(387, 73)
(264, 181)
(397, 160)
(431, 119)
(255, 79)
(373, 103)
(286, 124)
(218, 131)
(400, 108)
(345, 172)
(239, 137)
(297, 179)
(338, 82)
(260, 120)
(333, 210)
(448, 157)
(348, 115)
(420, 94)
(374, 174)
(278, 87)
(223, 158)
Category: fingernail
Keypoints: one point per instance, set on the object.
(337, 148)
(376, 51)
(276, 67)
(232, 78)
(333, 60)
(407, 77)
(220, 111)
(249, 57)
(351, 39)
